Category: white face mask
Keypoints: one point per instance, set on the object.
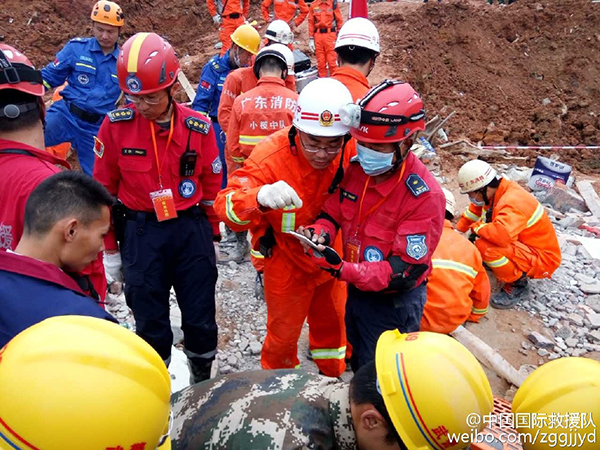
(476, 202)
(372, 162)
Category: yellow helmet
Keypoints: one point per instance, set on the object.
(563, 397)
(81, 383)
(108, 13)
(246, 37)
(433, 388)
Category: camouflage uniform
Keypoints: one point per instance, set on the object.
(270, 409)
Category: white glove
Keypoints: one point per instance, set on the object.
(217, 19)
(278, 195)
(311, 45)
(112, 267)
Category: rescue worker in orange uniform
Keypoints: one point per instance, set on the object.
(228, 14)
(292, 12)
(513, 232)
(258, 113)
(161, 160)
(357, 48)
(458, 289)
(390, 214)
(285, 181)
(324, 21)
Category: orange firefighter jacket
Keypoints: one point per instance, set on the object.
(324, 16)
(273, 159)
(258, 113)
(517, 216)
(237, 82)
(285, 10)
(458, 289)
(356, 82)
(228, 7)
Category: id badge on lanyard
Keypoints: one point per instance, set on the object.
(162, 200)
(353, 249)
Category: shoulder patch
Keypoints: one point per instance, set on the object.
(416, 185)
(118, 115)
(196, 124)
(416, 246)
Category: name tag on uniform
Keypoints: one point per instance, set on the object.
(353, 250)
(164, 205)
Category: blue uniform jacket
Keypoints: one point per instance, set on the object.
(33, 291)
(92, 75)
(210, 86)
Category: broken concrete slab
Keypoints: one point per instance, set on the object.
(590, 288)
(587, 191)
(540, 341)
(562, 199)
(593, 301)
(594, 320)
(575, 319)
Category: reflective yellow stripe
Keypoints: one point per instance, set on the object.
(250, 140)
(229, 211)
(47, 85)
(329, 353)
(498, 262)
(537, 215)
(134, 52)
(85, 65)
(256, 254)
(469, 215)
(476, 230)
(297, 367)
(114, 76)
(238, 159)
(288, 220)
(479, 311)
(453, 265)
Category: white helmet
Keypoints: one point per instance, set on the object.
(319, 104)
(279, 51)
(279, 31)
(450, 201)
(359, 32)
(474, 175)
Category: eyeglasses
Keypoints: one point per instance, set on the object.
(148, 100)
(314, 150)
(165, 436)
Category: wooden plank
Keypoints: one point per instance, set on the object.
(187, 87)
(590, 196)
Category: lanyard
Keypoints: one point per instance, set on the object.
(158, 165)
(361, 218)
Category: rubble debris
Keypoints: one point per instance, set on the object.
(590, 196)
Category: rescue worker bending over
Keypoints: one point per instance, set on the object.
(446, 385)
(161, 160)
(458, 288)
(285, 181)
(229, 15)
(290, 12)
(390, 211)
(357, 48)
(66, 218)
(24, 163)
(106, 388)
(513, 232)
(246, 41)
(324, 20)
(89, 65)
(556, 389)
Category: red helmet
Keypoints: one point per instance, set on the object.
(17, 72)
(147, 63)
(390, 112)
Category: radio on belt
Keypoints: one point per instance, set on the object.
(187, 164)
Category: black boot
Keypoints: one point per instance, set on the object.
(511, 293)
(199, 369)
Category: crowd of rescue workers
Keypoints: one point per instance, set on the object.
(346, 228)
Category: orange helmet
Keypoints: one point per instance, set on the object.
(147, 63)
(390, 112)
(108, 13)
(18, 73)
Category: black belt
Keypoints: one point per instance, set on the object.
(327, 30)
(214, 120)
(194, 211)
(84, 115)
(233, 15)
